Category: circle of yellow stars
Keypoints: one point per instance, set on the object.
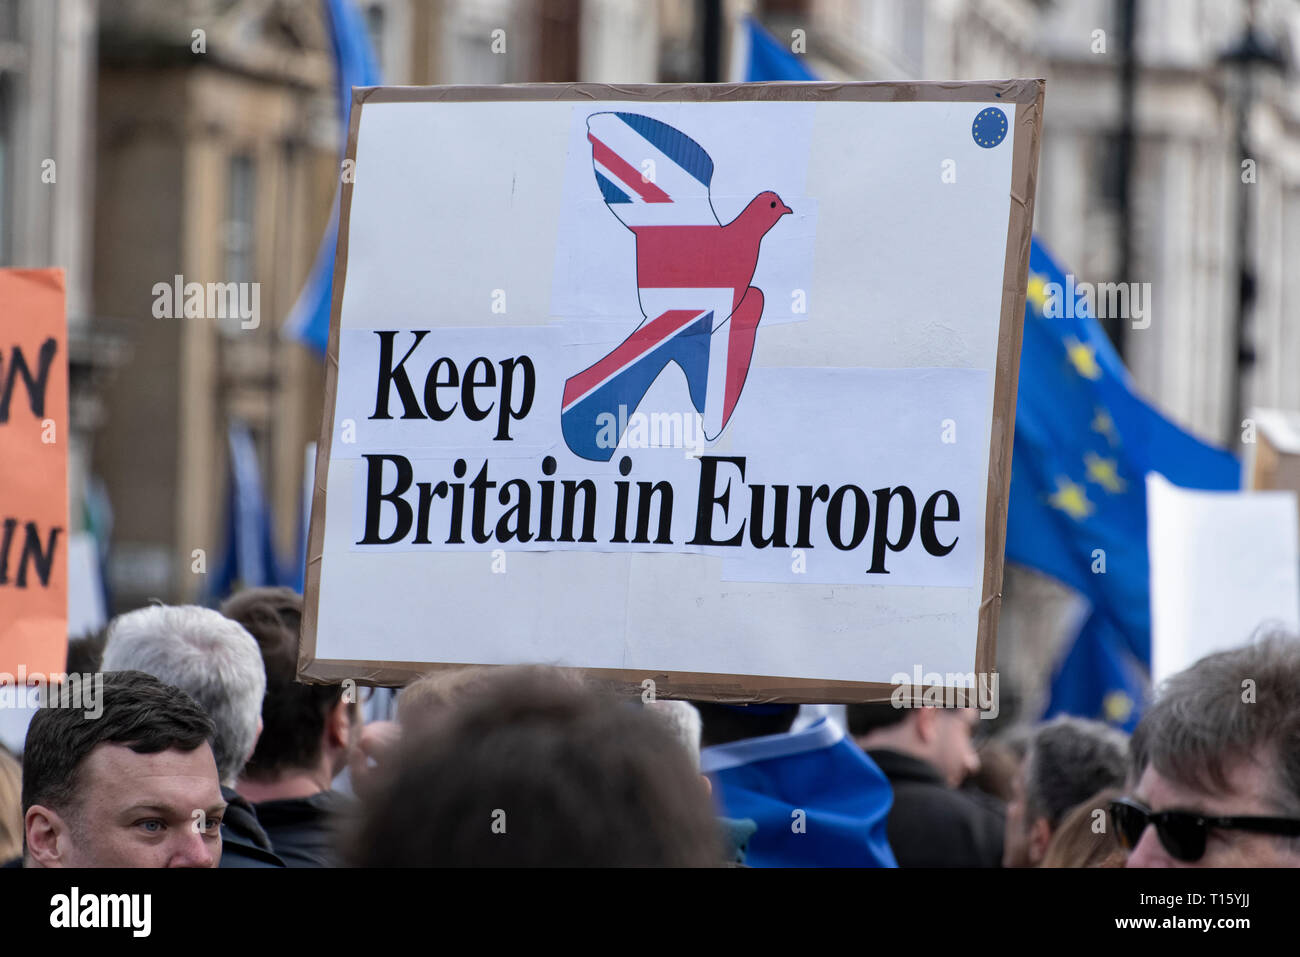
(994, 137)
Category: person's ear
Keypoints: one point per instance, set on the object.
(708, 785)
(338, 725)
(1040, 835)
(926, 724)
(47, 837)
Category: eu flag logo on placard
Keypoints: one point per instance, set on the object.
(990, 127)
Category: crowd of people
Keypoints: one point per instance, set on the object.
(205, 751)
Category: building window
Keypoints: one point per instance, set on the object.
(1108, 172)
(239, 221)
(238, 233)
(8, 20)
(914, 37)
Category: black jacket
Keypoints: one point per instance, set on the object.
(932, 825)
(305, 831)
(243, 841)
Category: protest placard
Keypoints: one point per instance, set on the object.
(1224, 566)
(33, 473)
(706, 386)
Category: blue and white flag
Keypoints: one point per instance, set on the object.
(818, 800)
(354, 65)
(758, 56)
(250, 560)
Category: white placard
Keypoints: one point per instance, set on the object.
(692, 387)
(1223, 564)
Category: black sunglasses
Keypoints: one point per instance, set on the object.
(1183, 833)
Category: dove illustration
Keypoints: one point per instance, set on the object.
(693, 276)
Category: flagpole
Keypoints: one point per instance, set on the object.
(710, 41)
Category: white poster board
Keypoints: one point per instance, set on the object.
(1223, 564)
(708, 385)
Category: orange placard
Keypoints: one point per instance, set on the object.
(33, 473)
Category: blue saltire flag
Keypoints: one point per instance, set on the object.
(844, 797)
(249, 560)
(1084, 442)
(354, 65)
(768, 58)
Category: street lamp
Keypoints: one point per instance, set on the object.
(1252, 53)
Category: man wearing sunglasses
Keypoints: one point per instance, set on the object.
(1215, 764)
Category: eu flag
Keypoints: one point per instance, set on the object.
(1084, 442)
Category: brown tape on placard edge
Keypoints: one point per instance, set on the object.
(732, 689)
(316, 531)
(1028, 96)
(1024, 179)
(1010, 91)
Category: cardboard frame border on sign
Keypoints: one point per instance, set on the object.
(1026, 94)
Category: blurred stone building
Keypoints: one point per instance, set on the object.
(220, 165)
(216, 140)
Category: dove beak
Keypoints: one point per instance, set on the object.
(785, 209)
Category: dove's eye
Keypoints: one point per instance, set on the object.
(774, 204)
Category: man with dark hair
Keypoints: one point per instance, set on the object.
(537, 771)
(927, 753)
(1068, 761)
(135, 786)
(308, 734)
(217, 663)
(1214, 766)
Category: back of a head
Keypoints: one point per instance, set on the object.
(206, 655)
(538, 770)
(1001, 759)
(1068, 760)
(436, 694)
(86, 654)
(683, 720)
(293, 714)
(1229, 707)
(724, 723)
(137, 711)
(863, 719)
(1079, 842)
